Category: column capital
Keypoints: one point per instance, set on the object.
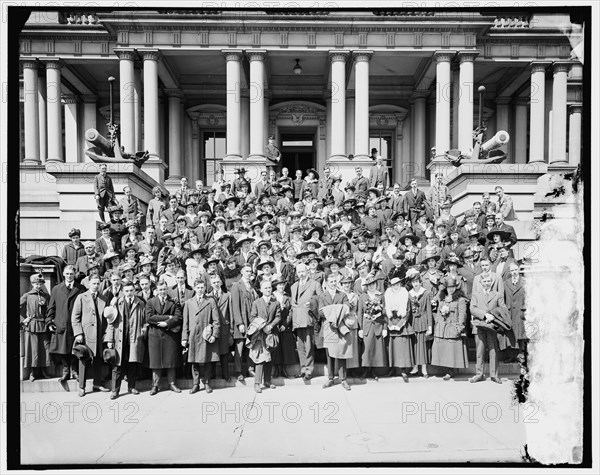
(362, 55)
(126, 54)
(233, 54)
(54, 63)
(70, 98)
(174, 93)
(467, 56)
(89, 98)
(420, 94)
(339, 56)
(561, 66)
(442, 56)
(521, 101)
(256, 54)
(539, 66)
(575, 108)
(150, 54)
(30, 63)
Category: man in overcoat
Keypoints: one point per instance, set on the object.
(124, 335)
(104, 191)
(413, 199)
(514, 295)
(58, 318)
(200, 334)
(88, 328)
(164, 337)
(223, 301)
(243, 295)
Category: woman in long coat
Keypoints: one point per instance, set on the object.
(422, 321)
(449, 347)
(353, 297)
(397, 310)
(201, 330)
(33, 306)
(372, 327)
(285, 354)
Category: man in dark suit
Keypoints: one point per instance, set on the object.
(303, 294)
(243, 295)
(378, 174)
(268, 309)
(487, 307)
(150, 246)
(164, 337)
(360, 184)
(88, 328)
(104, 191)
(172, 213)
(505, 205)
(332, 296)
(58, 318)
(181, 292)
(272, 154)
(132, 208)
(413, 199)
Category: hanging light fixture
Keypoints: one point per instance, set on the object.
(297, 68)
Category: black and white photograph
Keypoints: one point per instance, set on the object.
(299, 235)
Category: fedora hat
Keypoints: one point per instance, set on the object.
(82, 352)
(109, 355)
(110, 313)
(314, 172)
(256, 325)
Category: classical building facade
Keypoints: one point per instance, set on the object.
(202, 91)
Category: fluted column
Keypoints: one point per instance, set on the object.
(42, 113)
(520, 136)
(420, 155)
(71, 131)
(575, 134)
(234, 103)
(338, 104)
(558, 147)
(151, 113)
(137, 107)
(537, 111)
(32, 120)
(54, 110)
(465, 102)
(361, 104)
(350, 124)
(258, 121)
(442, 109)
(127, 100)
(175, 151)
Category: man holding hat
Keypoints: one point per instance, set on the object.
(272, 154)
(124, 336)
(88, 328)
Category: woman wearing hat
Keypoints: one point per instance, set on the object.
(155, 206)
(451, 266)
(374, 225)
(73, 250)
(410, 248)
(105, 242)
(430, 248)
(133, 236)
(311, 183)
(362, 253)
(422, 321)
(285, 354)
(449, 349)
(264, 273)
(432, 277)
(400, 348)
(372, 326)
(33, 307)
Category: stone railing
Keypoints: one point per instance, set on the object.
(79, 18)
(512, 21)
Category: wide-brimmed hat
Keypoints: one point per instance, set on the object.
(212, 260)
(303, 254)
(414, 239)
(412, 274)
(328, 262)
(262, 215)
(82, 352)
(37, 278)
(130, 223)
(435, 257)
(350, 186)
(110, 254)
(319, 229)
(453, 260)
(241, 240)
(395, 280)
(109, 355)
(275, 283)
(504, 235)
(102, 226)
(374, 190)
(371, 279)
(260, 265)
(148, 259)
(317, 244)
(314, 171)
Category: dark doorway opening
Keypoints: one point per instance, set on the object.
(297, 152)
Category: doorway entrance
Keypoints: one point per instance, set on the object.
(297, 152)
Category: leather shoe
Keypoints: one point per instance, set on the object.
(257, 388)
(405, 377)
(114, 395)
(64, 377)
(328, 384)
(270, 386)
(426, 375)
(195, 389)
(81, 392)
(240, 378)
(32, 377)
(74, 375)
(477, 378)
(174, 388)
(154, 390)
(100, 388)
(447, 377)
(307, 376)
(133, 391)
(496, 380)
(251, 373)
(208, 388)
(345, 385)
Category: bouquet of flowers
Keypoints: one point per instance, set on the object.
(373, 310)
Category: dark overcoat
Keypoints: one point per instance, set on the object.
(196, 317)
(59, 313)
(164, 344)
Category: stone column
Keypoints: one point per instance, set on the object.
(361, 114)
(455, 88)
(54, 109)
(234, 105)
(350, 125)
(537, 115)
(442, 109)
(151, 113)
(520, 136)
(465, 103)
(127, 100)
(420, 156)
(328, 128)
(502, 120)
(137, 107)
(558, 146)
(245, 123)
(195, 152)
(338, 105)
(575, 134)
(32, 119)
(42, 114)
(175, 151)
(188, 142)
(71, 133)
(258, 121)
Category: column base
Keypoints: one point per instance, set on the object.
(31, 162)
(172, 184)
(256, 158)
(561, 167)
(232, 156)
(338, 158)
(155, 169)
(363, 156)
